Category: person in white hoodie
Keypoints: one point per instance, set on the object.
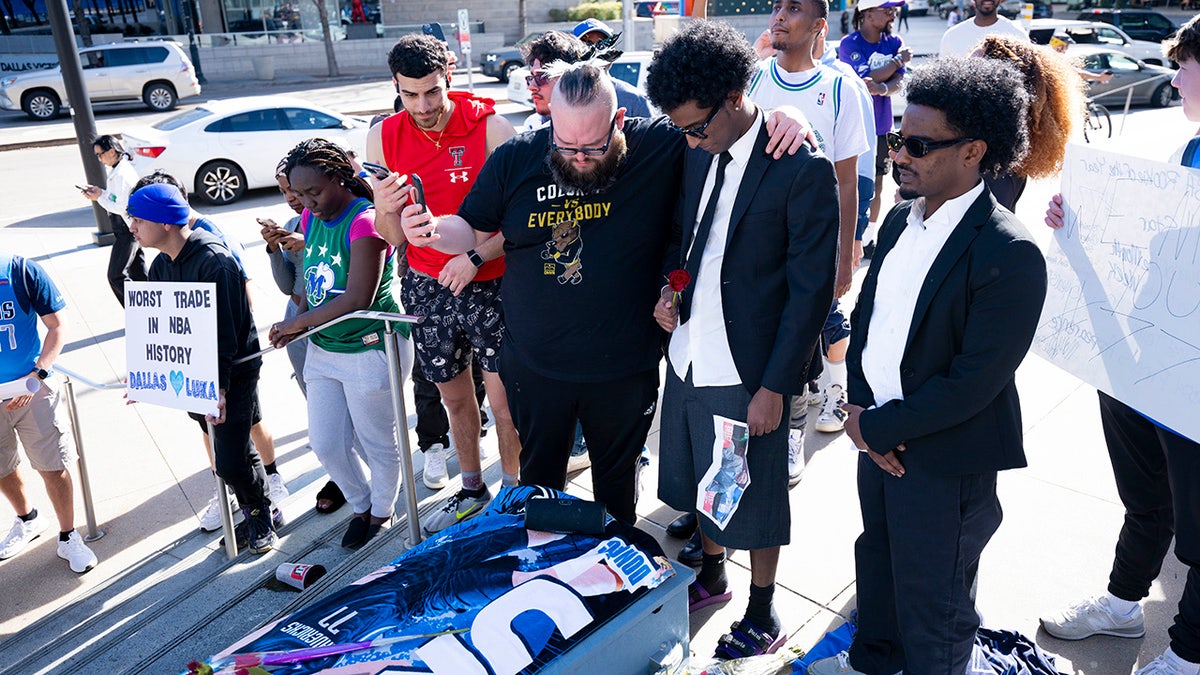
(125, 261)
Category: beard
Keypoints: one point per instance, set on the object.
(600, 178)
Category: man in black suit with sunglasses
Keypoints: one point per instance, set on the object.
(946, 314)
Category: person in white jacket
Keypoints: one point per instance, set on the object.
(126, 261)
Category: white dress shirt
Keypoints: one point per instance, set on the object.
(900, 279)
(701, 342)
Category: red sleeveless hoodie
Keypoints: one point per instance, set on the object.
(447, 173)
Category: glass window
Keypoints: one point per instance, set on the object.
(1095, 62)
(255, 120)
(304, 119)
(626, 71)
(1109, 36)
(93, 59)
(151, 54)
(183, 118)
(114, 58)
(1117, 62)
(1157, 21)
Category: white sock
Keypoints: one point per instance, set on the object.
(837, 373)
(1185, 667)
(1120, 606)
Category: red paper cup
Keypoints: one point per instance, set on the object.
(299, 575)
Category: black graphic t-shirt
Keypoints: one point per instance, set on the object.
(582, 273)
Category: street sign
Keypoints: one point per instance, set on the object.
(464, 32)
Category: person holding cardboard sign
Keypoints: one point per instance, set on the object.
(159, 217)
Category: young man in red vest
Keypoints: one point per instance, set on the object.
(445, 137)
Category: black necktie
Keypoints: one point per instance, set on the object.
(693, 259)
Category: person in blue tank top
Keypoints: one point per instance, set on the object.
(26, 295)
(1157, 472)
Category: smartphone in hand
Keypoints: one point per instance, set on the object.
(434, 29)
(418, 193)
(377, 170)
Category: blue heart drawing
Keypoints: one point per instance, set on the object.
(177, 381)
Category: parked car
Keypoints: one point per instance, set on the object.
(1098, 34)
(156, 73)
(918, 7)
(501, 63)
(1139, 24)
(1151, 84)
(1015, 9)
(630, 67)
(223, 148)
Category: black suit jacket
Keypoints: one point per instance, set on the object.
(973, 323)
(780, 256)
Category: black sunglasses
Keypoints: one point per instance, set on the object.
(917, 147)
(590, 152)
(537, 78)
(698, 132)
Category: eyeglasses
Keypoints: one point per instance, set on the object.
(890, 11)
(917, 147)
(101, 153)
(537, 78)
(590, 152)
(698, 132)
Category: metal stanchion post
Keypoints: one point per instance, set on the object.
(392, 349)
(231, 550)
(85, 483)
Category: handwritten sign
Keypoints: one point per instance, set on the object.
(171, 344)
(1123, 308)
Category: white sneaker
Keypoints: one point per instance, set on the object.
(832, 418)
(1167, 664)
(210, 517)
(834, 665)
(815, 397)
(579, 459)
(21, 534)
(1093, 616)
(434, 474)
(75, 552)
(795, 456)
(276, 490)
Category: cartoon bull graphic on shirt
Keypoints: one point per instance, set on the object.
(565, 248)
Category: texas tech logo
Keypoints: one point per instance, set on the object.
(457, 153)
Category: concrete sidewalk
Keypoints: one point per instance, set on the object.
(150, 476)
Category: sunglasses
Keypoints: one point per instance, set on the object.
(537, 78)
(917, 147)
(698, 132)
(589, 152)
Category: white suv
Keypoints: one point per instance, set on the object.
(156, 73)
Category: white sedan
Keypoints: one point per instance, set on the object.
(223, 148)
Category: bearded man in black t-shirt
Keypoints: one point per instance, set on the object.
(585, 205)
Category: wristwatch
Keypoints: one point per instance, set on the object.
(475, 258)
(42, 373)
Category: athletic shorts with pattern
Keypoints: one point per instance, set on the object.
(452, 329)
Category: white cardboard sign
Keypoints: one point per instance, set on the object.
(1122, 311)
(171, 344)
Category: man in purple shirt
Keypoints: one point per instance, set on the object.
(878, 57)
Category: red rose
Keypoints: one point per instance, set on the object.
(679, 280)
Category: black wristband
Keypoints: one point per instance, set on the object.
(475, 258)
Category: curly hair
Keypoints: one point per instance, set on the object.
(329, 159)
(1056, 100)
(554, 45)
(704, 62)
(417, 56)
(983, 99)
(1185, 44)
(159, 176)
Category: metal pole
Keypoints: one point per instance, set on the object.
(85, 483)
(1125, 114)
(227, 528)
(392, 348)
(81, 105)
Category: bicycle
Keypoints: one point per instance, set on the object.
(1096, 121)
